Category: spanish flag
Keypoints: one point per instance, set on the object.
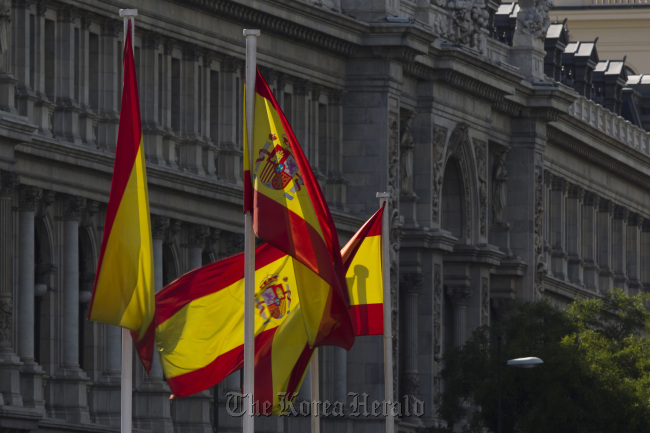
(123, 293)
(290, 212)
(200, 319)
(362, 261)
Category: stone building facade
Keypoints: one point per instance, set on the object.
(506, 181)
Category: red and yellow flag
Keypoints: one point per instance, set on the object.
(123, 293)
(200, 317)
(364, 274)
(290, 212)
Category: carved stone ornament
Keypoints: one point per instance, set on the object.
(159, 226)
(534, 20)
(499, 188)
(9, 180)
(469, 23)
(406, 154)
(6, 318)
(438, 163)
(481, 172)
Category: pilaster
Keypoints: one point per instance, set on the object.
(619, 247)
(9, 361)
(191, 147)
(633, 253)
(31, 374)
(575, 264)
(111, 88)
(589, 240)
(410, 286)
(557, 227)
(604, 246)
(230, 121)
(66, 116)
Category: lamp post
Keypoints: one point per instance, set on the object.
(528, 362)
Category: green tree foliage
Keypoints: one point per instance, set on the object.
(595, 377)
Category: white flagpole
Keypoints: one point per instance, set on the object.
(249, 241)
(388, 328)
(126, 380)
(314, 377)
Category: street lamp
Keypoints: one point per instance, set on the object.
(528, 362)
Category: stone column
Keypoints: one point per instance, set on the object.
(9, 361)
(633, 252)
(66, 116)
(68, 389)
(150, 95)
(110, 86)
(645, 255)
(7, 80)
(619, 247)
(590, 240)
(191, 148)
(70, 334)
(25, 96)
(410, 286)
(604, 248)
(151, 404)
(31, 374)
(573, 234)
(43, 107)
(230, 120)
(459, 296)
(336, 194)
(557, 203)
(210, 151)
(87, 117)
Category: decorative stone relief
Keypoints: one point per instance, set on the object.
(29, 198)
(541, 268)
(467, 23)
(534, 20)
(458, 295)
(406, 155)
(9, 180)
(481, 172)
(5, 20)
(485, 301)
(437, 330)
(438, 162)
(499, 188)
(233, 243)
(6, 319)
(159, 226)
(73, 207)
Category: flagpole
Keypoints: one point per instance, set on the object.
(388, 323)
(249, 241)
(314, 377)
(126, 380)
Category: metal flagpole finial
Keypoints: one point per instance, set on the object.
(128, 12)
(383, 195)
(251, 32)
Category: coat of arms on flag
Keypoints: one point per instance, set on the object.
(280, 166)
(274, 298)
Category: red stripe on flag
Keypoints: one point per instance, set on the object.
(264, 376)
(299, 370)
(207, 280)
(213, 373)
(367, 319)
